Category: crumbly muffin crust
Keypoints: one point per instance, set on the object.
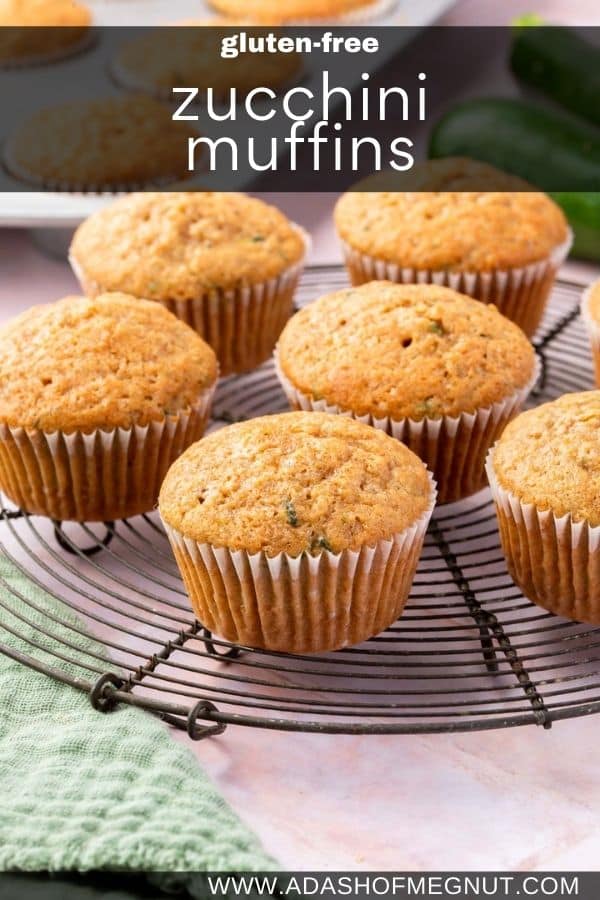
(449, 220)
(161, 60)
(550, 456)
(109, 143)
(404, 351)
(177, 246)
(115, 361)
(275, 12)
(294, 483)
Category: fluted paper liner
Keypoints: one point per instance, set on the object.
(96, 476)
(593, 330)
(454, 448)
(242, 325)
(520, 294)
(554, 560)
(301, 604)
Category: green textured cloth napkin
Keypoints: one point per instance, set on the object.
(83, 790)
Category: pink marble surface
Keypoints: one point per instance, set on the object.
(500, 12)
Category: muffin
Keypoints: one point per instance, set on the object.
(226, 264)
(501, 245)
(298, 532)
(109, 144)
(545, 478)
(590, 311)
(274, 12)
(40, 31)
(97, 399)
(190, 53)
(435, 369)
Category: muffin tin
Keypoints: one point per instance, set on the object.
(53, 210)
(469, 653)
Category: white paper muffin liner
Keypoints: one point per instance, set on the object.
(301, 604)
(520, 294)
(100, 475)
(454, 448)
(242, 325)
(554, 560)
(592, 328)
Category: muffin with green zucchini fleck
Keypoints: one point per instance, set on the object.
(97, 399)
(545, 478)
(298, 532)
(460, 223)
(303, 12)
(432, 367)
(226, 264)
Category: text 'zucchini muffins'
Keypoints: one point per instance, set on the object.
(590, 311)
(545, 478)
(226, 264)
(97, 398)
(298, 532)
(499, 246)
(435, 369)
(108, 144)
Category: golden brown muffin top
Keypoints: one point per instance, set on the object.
(16, 13)
(550, 456)
(179, 245)
(592, 306)
(294, 483)
(448, 220)
(404, 351)
(81, 364)
(276, 12)
(160, 60)
(100, 144)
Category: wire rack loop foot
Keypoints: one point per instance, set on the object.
(11, 513)
(206, 636)
(203, 709)
(102, 693)
(67, 544)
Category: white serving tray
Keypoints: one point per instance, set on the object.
(52, 210)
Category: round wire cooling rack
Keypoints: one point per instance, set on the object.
(470, 652)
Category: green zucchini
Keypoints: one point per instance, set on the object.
(561, 64)
(549, 149)
(583, 212)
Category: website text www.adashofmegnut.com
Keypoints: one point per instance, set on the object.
(505, 885)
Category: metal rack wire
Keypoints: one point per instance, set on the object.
(469, 653)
